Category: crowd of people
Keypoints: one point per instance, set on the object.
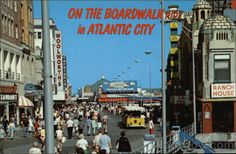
(72, 121)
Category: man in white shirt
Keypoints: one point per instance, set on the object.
(69, 125)
(35, 149)
(82, 143)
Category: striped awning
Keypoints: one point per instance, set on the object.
(25, 102)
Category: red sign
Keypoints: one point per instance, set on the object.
(174, 15)
(8, 89)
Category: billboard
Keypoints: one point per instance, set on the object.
(119, 86)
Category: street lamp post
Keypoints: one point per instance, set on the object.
(48, 108)
(163, 81)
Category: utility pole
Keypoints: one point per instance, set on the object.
(163, 80)
(48, 101)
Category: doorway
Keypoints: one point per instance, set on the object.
(223, 117)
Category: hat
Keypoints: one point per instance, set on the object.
(81, 136)
(35, 144)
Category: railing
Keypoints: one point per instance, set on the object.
(185, 138)
(173, 143)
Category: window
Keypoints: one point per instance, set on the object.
(6, 30)
(174, 45)
(203, 14)
(9, 27)
(39, 35)
(3, 23)
(15, 5)
(23, 35)
(222, 68)
(196, 13)
(174, 32)
(17, 31)
(22, 10)
(12, 29)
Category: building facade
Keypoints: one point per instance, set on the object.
(209, 32)
(57, 64)
(16, 54)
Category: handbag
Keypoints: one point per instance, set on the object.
(63, 140)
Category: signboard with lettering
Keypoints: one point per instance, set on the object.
(59, 61)
(174, 15)
(8, 97)
(119, 86)
(223, 90)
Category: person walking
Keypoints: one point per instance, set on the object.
(59, 135)
(94, 126)
(97, 138)
(42, 136)
(123, 143)
(151, 126)
(105, 122)
(25, 126)
(69, 125)
(31, 126)
(81, 126)
(89, 126)
(82, 143)
(2, 139)
(105, 142)
(35, 149)
(5, 123)
(11, 129)
(76, 126)
(36, 128)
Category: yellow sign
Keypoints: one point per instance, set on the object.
(174, 38)
(174, 25)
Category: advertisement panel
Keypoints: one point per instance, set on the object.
(223, 90)
(119, 86)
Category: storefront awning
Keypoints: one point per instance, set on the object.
(25, 102)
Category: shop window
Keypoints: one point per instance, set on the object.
(222, 68)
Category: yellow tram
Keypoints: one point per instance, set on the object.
(133, 116)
